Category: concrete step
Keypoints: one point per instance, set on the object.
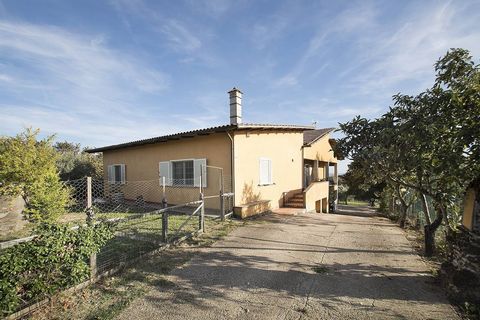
(297, 196)
(296, 200)
(294, 205)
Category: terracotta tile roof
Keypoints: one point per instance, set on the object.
(205, 131)
(310, 136)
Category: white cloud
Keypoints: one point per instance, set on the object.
(73, 84)
(408, 51)
(179, 37)
(356, 18)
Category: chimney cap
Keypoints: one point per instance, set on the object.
(235, 89)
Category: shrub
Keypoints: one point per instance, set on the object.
(28, 168)
(56, 259)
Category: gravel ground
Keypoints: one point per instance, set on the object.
(309, 266)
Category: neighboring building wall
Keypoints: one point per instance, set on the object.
(320, 150)
(467, 219)
(142, 162)
(284, 150)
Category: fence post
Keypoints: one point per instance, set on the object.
(165, 226)
(90, 217)
(222, 206)
(222, 199)
(201, 216)
(89, 209)
(164, 213)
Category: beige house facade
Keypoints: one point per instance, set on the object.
(265, 166)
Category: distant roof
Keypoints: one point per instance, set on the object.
(203, 132)
(310, 136)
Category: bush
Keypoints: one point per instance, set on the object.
(28, 168)
(56, 259)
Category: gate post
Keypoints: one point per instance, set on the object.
(222, 199)
(222, 206)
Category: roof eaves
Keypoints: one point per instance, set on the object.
(327, 131)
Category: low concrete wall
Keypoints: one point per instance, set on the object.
(11, 216)
(251, 209)
(316, 195)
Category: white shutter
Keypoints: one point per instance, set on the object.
(197, 164)
(270, 179)
(122, 174)
(265, 171)
(111, 174)
(164, 168)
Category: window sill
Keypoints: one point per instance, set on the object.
(267, 184)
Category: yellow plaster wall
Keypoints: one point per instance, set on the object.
(316, 191)
(320, 150)
(283, 148)
(141, 164)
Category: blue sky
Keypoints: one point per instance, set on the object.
(105, 72)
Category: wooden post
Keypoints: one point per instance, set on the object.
(89, 209)
(90, 217)
(165, 226)
(93, 266)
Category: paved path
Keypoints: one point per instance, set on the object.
(309, 266)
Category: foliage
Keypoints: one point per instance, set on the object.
(74, 163)
(55, 259)
(429, 143)
(28, 168)
(356, 184)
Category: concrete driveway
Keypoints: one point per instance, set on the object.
(309, 266)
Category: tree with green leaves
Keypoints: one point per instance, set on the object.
(28, 169)
(429, 142)
(74, 163)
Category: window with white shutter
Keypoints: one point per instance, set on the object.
(116, 173)
(265, 171)
(183, 172)
(165, 172)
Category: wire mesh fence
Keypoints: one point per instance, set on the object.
(137, 209)
(148, 214)
(145, 215)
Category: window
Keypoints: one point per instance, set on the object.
(265, 171)
(186, 172)
(182, 173)
(116, 173)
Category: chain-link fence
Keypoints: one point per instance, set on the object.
(145, 215)
(148, 214)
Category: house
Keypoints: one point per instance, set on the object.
(270, 165)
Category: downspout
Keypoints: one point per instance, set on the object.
(303, 167)
(232, 166)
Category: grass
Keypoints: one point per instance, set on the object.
(357, 203)
(107, 298)
(138, 236)
(320, 269)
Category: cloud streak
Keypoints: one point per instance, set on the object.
(70, 76)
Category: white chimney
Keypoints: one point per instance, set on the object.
(235, 106)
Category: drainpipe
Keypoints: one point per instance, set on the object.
(232, 166)
(303, 168)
